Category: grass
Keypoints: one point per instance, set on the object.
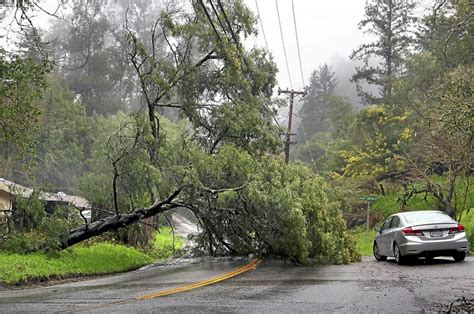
(164, 245)
(467, 220)
(85, 260)
(364, 241)
(101, 258)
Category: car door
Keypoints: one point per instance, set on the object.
(390, 233)
(383, 240)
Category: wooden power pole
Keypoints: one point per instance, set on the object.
(288, 141)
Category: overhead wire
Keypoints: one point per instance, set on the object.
(298, 43)
(235, 39)
(283, 42)
(209, 19)
(226, 19)
(261, 26)
(310, 150)
(232, 33)
(217, 15)
(303, 82)
(306, 141)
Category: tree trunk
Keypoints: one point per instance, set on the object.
(448, 209)
(117, 221)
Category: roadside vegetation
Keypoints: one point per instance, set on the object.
(178, 114)
(98, 258)
(81, 260)
(166, 244)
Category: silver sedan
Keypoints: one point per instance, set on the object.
(420, 233)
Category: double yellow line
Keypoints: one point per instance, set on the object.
(200, 284)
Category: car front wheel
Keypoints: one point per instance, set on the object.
(377, 254)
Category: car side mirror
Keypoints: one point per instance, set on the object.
(378, 229)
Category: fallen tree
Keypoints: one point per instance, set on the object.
(117, 221)
(221, 158)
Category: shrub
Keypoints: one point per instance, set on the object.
(31, 228)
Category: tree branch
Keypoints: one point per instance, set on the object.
(119, 221)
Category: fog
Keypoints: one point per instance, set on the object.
(327, 32)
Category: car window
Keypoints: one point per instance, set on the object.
(386, 224)
(395, 222)
(426, 217)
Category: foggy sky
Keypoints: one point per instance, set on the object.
(327, 30)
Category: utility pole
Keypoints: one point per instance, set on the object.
(288, 141)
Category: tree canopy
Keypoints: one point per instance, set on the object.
(147, 107)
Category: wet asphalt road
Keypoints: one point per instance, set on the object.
(273, 286)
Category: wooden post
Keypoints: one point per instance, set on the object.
(288, 141)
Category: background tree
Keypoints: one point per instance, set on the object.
(445, 33)
(324, 148)
(442, 43)
(379, 139)
(390, 21)
(315, 110)
(445, 145)
(65, 137)
(91, 50)
(21, 84)
(316, 106)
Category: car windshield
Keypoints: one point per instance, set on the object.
(428, 217)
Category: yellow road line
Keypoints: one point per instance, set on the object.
(200, 284)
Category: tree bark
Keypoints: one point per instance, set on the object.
(117, 221)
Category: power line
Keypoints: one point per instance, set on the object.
(310, 150)
(306, 141)
(283, 42)
(217, 14)
(209, 19)
(232, 33)
(297, 43)
(235, 38)
(261, 26)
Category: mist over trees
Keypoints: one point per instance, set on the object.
(145, 107)
(149, 108)
(390, 21)
(386, 141)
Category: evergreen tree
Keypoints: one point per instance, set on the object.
(22, 82)
(447, 33)
(92, 50)
(390, 21)
(316, 106)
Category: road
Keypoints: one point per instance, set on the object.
(273, 286)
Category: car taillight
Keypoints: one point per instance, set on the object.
(410, 232)
(459, 228)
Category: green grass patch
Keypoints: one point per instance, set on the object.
(165, 245)
(101, 258)
(85, 260)
(467, 220)
(364, 241)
